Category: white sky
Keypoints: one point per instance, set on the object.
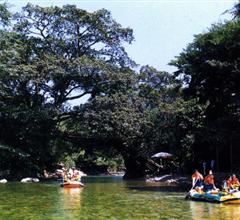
(162, 28)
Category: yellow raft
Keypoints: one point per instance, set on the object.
(72, 184)
(220, 197)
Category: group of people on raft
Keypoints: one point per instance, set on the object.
(207, 184)
(71, 175)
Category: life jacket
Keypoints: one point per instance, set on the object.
(229, 182)
(235, 181)
(65, 178)
(209, 179)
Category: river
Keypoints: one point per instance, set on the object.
(105, 198)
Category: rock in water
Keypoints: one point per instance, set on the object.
(3, 181)
(35, 180)
(30, 180)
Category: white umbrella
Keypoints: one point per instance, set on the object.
(162, 155)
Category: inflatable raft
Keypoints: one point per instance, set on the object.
(72, 184)
(220, 197)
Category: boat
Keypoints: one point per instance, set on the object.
(215, 197)
(72, 184)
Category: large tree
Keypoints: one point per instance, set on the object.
(132, 119)
(52, 56)
(210, 67)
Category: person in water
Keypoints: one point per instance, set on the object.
(197, 180)
(209, 182)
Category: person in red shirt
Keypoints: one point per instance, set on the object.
(209, 182)
(197, 180)
(234, 181)
(229, 182)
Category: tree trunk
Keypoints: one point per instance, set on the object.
(231, 156)
(217, 158)
(135, 167)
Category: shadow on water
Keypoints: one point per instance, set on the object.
(102, 179)
(159, 188)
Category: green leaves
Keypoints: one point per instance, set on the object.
(211, 63)
(71, 32)
(54, 56)
(50, 57)
(5, 15)
(210, 68)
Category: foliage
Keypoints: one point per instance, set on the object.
(52, 57)
(43, 67)
(210, 69)
(5, 15)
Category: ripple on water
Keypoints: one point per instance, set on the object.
(104, 198)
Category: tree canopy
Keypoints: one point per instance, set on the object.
(211, 72)
(53, 57)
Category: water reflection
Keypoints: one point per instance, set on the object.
(103, 199)
(71, 202)
(211, 211)
(198, 209)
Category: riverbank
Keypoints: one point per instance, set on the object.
(181, 181)
(167, 179)
(185, 181)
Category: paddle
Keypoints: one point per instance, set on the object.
(189, 193)
(194, 184)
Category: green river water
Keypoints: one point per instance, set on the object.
(105, 198)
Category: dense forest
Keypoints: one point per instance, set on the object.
(53, 58)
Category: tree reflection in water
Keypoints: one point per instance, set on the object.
(212, 211)
(72, 202)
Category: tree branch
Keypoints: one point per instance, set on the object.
(75, 87)
(77, 96)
